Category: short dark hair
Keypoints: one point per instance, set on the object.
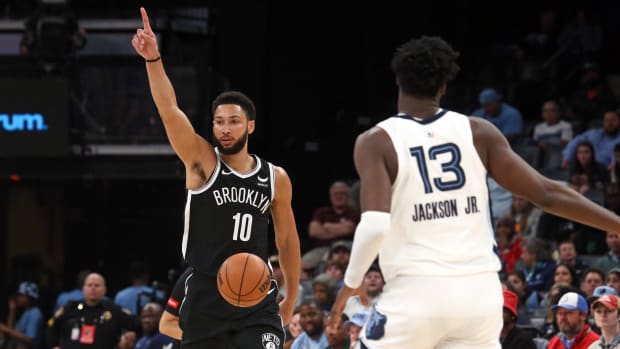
(423, 65)
(237, 98)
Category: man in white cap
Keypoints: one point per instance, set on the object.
(605, 310)
(571, 314)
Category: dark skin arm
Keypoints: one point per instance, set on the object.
(514, 174)
(377, 165)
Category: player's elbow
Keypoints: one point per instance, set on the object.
(545, 198)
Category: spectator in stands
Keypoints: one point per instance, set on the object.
(324, 291)
(501, 200)
(312, 321)
(603, 140)
(606, 316)
(335, 269)
(353, 327)
(508, 242)
(334, 222)
(550, 326)
(151, 337)
(139, 293)
(293, 330)
(612, 258)
(337, 337)
(586, 173)
(529, 300)
(571, 314)
(592, 97)
(28, 332)
(75, 294)
(537, 264)
(501, 114)
(340, 252)
(527, 216)
(368, 295)
(612, 188)
(553, 132)
(613, 279)
(512, 337)
(592, 278)
(567, 253)
(565, 274)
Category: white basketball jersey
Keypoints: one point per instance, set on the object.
(440, 215)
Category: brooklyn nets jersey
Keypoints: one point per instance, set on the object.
(440, 216)
(229, 214)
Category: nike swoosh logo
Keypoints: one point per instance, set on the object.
(263, 180)
(226, 173)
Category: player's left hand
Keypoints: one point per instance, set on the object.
(287, 308)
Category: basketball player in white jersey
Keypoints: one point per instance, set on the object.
(425, 212)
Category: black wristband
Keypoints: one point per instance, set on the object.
(153, 60)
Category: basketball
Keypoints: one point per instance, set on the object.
(243, 279)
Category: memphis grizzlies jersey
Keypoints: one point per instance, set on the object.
(229, 214)
(440, 215)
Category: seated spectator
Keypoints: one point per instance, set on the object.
(368, 294)
(151, 337)
(353, 327)
(613, 279)
(529, 300)
(501, 114)
(565, 274)
(603, 140)
(340, 252)
(293, 330)
(334, 222)
(508, 243)
(337, 337)
(556, 229)
(75, 294)
(28, 332)
(586, 173)
(335, 270)
(612, 187)
(606, 316)
(592, 278)
(312, 321)
(567, 253)
(324, 291)
(550, 326)
(612, 258)
(571, 314)
(553, 130)
(592, 97)
(527, 216)
(501, 200)
(512, 337)
(537, 264)
(138, 294)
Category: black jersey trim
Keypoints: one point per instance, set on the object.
(186, 224)
(425, 121)
(272, 177)
(238, 174)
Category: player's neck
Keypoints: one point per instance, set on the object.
(418, 107)
(241, 162)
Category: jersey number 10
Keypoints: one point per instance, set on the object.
(243, 226)
(453, 166)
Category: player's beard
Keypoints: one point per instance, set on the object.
(233, 149)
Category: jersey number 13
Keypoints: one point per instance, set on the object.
(453, 165)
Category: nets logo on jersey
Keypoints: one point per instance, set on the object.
(270, 341)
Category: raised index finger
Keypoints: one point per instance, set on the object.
(145, 20)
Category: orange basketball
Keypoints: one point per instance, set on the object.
(243, 279)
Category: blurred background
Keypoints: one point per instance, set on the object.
(87, 177)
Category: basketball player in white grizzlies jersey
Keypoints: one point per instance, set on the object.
(425, 213)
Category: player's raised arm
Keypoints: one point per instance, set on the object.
(287, 241)
(514, 174)
(189, 146)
